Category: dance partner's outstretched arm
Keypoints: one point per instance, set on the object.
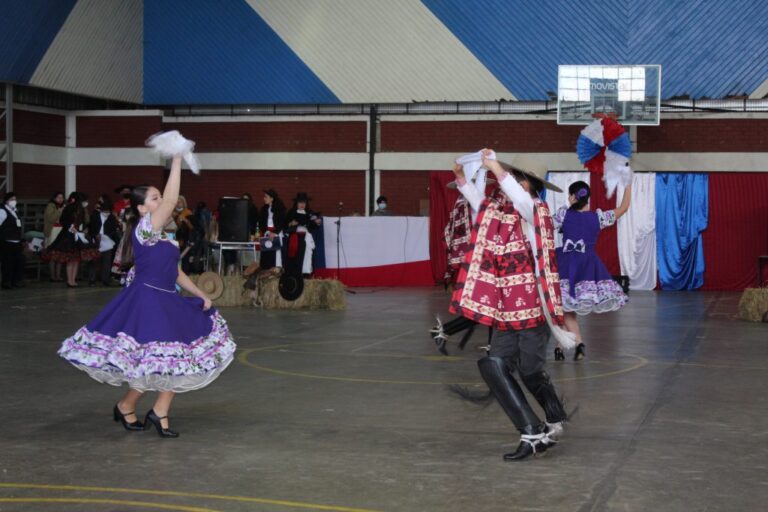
(170, 196)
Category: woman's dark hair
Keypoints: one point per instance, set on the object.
(55, 195)
(132, 218)
(580, 190)
(8, 196)
(536, 185)
(106, 203)
(74, 197)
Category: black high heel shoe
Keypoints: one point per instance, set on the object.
(154, 419)
(559, 355)
(581, 352)
(119, 416)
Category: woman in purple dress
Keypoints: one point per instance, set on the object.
(149, 336)
(587, 286)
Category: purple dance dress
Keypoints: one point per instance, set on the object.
(586, 284)
(149, 336)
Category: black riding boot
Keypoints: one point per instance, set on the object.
(510, 396)
(542, 389)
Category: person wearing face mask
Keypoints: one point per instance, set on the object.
(11, 255)
(52, 228)
(73, 244)
(124, 202)
(381, 207)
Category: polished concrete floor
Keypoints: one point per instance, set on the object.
(350, 411)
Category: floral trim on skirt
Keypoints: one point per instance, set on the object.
(593, 297)
(154, 366)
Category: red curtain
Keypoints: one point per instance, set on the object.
(441, 200)
(737, 232)
(607, 245)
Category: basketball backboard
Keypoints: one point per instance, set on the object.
(631, 93)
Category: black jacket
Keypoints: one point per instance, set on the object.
(278, 218)
(111, 227)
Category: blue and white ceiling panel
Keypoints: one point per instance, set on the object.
(381, 51)
(221, 52)
(176, 52)
(26, 31)
(98, 52)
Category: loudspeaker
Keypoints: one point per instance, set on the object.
(233, 220)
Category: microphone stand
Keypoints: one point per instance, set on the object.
(338, 250)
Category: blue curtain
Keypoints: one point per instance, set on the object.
(681, 216)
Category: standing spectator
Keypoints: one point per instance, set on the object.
(272, 221)
(122, 204)
(72, 245)
(381, 207)
(104, 229)
(11, 255)
(253, 214)
(51, 219)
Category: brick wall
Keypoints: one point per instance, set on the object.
(704, 135)
(404, 190)
(297, 136)
(96, 180)
(116, 132)
(32, 181)
(37, 128)
(468, 136)
(325, 188)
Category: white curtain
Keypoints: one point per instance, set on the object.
(557, 199)
(637, 233)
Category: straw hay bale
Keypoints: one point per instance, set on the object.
(753, 305)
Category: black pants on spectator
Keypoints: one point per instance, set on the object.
(102, 266)
(12, 263)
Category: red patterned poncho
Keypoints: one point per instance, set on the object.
(497, 282)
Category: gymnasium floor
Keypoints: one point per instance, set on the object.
(343, 411)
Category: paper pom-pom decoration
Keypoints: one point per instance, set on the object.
(604, 148)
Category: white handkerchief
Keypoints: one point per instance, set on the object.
(472, 163)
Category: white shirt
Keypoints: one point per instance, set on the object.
(105, 243)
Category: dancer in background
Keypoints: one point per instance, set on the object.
(149, 336)
(586, 284)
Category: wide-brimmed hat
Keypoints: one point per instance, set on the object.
(532, 169)
(211, 284)
(453, 185)
(291, 286)
(301, 197)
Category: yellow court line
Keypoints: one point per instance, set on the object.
(643, 362)
(81, 501)
(243, 499)
(243, 359)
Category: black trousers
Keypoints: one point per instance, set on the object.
(102, 268)
(11, 263)
(523, 351)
